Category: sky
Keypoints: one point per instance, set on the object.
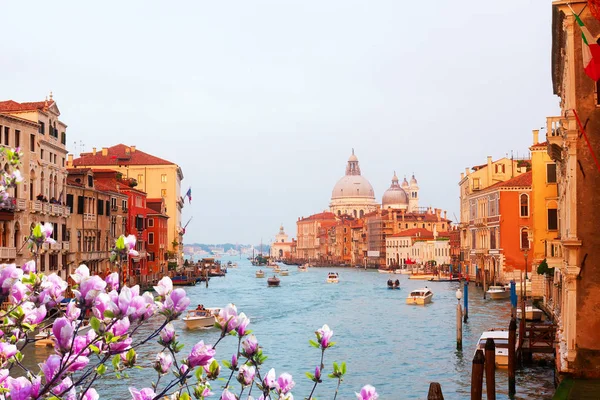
(261, 102)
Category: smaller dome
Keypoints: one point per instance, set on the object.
(405, 183)
(395, 197)
(353, 158)
(413, 180)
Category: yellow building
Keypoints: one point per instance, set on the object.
(157, 177)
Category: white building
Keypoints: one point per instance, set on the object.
(281, 247)
(417, 245)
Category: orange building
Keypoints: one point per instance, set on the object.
(309, 236)
(158, 237)
(499, 229)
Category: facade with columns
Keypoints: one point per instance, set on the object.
(282, 247)
(36, 129)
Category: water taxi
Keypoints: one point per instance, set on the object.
(498, 292)
(333, 277)
(500, 337)
(284, 272)
(277, 269)
(531, 313)
(274, 281)
(420, 296)
(303, 268)
(203, 318)
(260, 273)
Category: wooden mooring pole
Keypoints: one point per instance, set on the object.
(458, 326)
(477, 375)
(512, 361)
(490, 369)
(466, 297)
(435, 392)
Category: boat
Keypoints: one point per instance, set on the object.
(271, 264)
(183, 280)
(531, 313)
(46, 337)
(202, 318)
(260, 273)
(443, 279)
(420, 296)
(274, 281)
(303, 268)
(276, 269)
(284, 272)
(385, 271)
(333, 277)
(500, 337)
(232, 265)
(393, 284)
(498, 292)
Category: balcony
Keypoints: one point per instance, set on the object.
(35, 206)
(482, 221)
(20, 204)
(66, 246)
(89, 217)
(8, 253)
(56, 247)
(46, 208)
(554, 253)
(93, 255)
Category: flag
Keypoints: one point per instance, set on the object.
(189, 194)
(590, 51)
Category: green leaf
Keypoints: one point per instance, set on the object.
(198, 373)
(332, 376)
(115, 362)
(118, 375)
(226, 364)
(94, 349)
(101, 369)
(336, 367)
(331, 344)
(19, 356)
(214, 367)
(130, 356)
(108, 314)
(95, 323)
(310, 376)
(314, 344)
(184, 396)
(126, 375)
(344, 368)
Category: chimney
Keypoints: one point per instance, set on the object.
(467, 172)
(445, 213)
(489, 161)
(462, 176)
(93, 151)
(105, 151)
(536, 134)
(133, 149)
(70, 160)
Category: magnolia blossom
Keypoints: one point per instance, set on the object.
(53, 290)
(9, 275)
(234, 361)
(22, 388)
(203, 390)
(89, 286)
(318, 373)
(246, 374)
(227, 395)
(163, 362)
(250, 346)
(165, 286)
(63, 334)
(227, 318)
(167, 334)
(200, 355)
(130, 242)
(144, 394)
(90, 394)
(33, 315)
(176, 302)
(18, 292)
(65, 389)
(42, 234)
(51, 366)
(242, 323)
(285, 383)
(269, 379)
(102, 303)
(367, 393)
(324, 335)
(29, 267)
(112, 281)
(7, 351)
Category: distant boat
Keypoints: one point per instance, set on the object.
(531, 313)
(284, 272)
(333, 277)
(274, 281)
(498, 292)
(393, 284)
(385, 271)
(183, 280)
(420, 296)
(260, 273)
(199, 319)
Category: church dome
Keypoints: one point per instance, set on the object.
(413, 181)
(353, 194)
(405, 183)
(352, 186)
(395, 197)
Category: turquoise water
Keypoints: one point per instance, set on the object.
(397, 348)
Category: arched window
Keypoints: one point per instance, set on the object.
(362, 213)
(339, 213)
(354, 212)
(524, 201)
(524, 238)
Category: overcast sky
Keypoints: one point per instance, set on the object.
(260, 102)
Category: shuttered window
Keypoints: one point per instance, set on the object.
(80, 204)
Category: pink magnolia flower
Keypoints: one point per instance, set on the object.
(250, 346)
(324, 335)
(144, 394)
(367, 393)
(165, 286)
(150, 306)
(89, 286)
(18, 292)
(90, 394)
(7, 351)
(9, 275)
(176, 301)
(120, 327)
(112, 281)
(246, 375)
(242, 323)
(269, 379)
(234, 361)
(285, 383)
(73, 312)
(63, 333)
(130, 242)
(75, 363)
(163, 362)
(28, 267)
(51, 366)
(22, 388)
(227, 318)
(62, 389)
(227, 395)
(167, 334)
(33, 315)
(200, 355)
(317, 373)
(53, 290)
(102, 303)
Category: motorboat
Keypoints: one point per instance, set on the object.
(46, 337)
(260, 273)
(183, 280)
(531, 313)
(420, 296)
(203, 318)
(385, 271)
(498, 292)
(232, 265)
(303, 268)
(393, 284)
(333, 277)
(276, 269)
(500, 337)
(273, 281)
(284, 272)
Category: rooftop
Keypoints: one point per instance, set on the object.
(119, 154)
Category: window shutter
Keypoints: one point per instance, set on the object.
(100, 207)
(79, 204)
(107, 208)
(70, 201)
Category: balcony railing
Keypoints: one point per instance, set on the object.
(46, 209)
(8, 253)
(554, 249)
(89, 217)
(94, 255)
(481, 221)
(21, 204)
(35, 206)
(66, 246)
(56, 246)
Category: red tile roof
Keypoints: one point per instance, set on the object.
(119, 155)
(11, 105)
(420, 232)
(541, 145)
(320, 216)
(522, 180)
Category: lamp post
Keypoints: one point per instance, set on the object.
(459, 296)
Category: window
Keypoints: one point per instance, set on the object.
(42, 128)
(90, 181)
(80, 201)
(124, 205)
(476, 184)
(6, 133)
(150, 222)
(70, 201)
(17, 138)
(473, 240)
(163, 192)
(43, 262)
(550, 173)
(493, 238)
(151, 238)
(100, 207)
(524, 238)
(163, 178)
(63, 138)
(552, 219)
(42, 154)
(140, 179)
(524, 201)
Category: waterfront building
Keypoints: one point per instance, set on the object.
(474, 180)
(310, 235)
(576, 300)
(545, 244)
(36, 129)
(158, 238)
(94, 224)
(358, 255)
(352, 194)
(417, 245)
(155, 176)
(455, 255)
(281, 248)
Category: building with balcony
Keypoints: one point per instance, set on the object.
(155, 176)
(36, 129)
(574, 140)
(95, 222)
(158, 238)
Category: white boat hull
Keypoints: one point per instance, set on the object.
(385, 271)
(498, 294)
(531, 313)
(260, 274)
(284, 272)
(199, 322)
(333, 280)
(419, 300)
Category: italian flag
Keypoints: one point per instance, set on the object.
(591, 52)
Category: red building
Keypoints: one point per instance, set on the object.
(455, 257)
(158, 237)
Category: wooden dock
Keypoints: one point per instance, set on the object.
(538, 338)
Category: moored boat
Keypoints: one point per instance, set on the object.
(385, 271)
(260, 273)
(333, 277)
(420, 296)
(183, 280)
(531, 313)
(500, 337)
(273, 281)
(498, 292)
(277, 269)
(202, 318)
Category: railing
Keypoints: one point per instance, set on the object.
(8, 253)
(35, 206)
(46, 208)
(93, 255)
(66, 246)
(56, 246)
(21, 204)
(89, 217)
(553, 127)
(55, 209)
(554, 249)
(480, 221)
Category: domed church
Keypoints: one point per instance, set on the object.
(405, 197)
(353, 194)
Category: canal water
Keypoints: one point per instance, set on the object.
(393, 346)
